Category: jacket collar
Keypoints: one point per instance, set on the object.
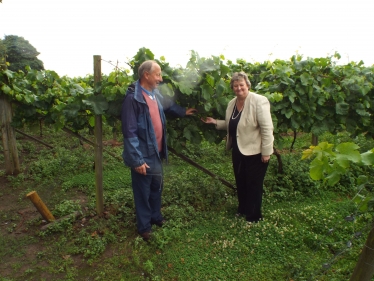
(138, 95)
(246, 103)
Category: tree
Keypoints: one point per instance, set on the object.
(2, 55)
(20, 53)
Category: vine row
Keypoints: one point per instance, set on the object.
(308, 95)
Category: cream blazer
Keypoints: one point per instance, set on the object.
(255, 127)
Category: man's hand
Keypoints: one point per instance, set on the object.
(142, 169)
(191, 111)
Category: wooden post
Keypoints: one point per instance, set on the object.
(314, 140)
(40, 206)
(12, 166)
(364, 270)
(98, 145)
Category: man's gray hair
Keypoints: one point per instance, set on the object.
(146, 67)
(240, 76)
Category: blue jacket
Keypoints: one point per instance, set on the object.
(139, 140)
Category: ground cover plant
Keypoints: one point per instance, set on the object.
(309, 232)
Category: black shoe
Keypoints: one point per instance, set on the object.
(146, 236)
(160, 223)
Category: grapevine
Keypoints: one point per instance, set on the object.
(308, 95)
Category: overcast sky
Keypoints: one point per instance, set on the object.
(68, 33)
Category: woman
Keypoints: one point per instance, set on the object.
(250, 135)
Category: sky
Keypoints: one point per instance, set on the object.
(69, 33)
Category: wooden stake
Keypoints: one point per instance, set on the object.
(40, 206)
(98, 145)
(364, 270)
(314, 140)
(12, 165)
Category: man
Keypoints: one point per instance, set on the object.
(144, 133)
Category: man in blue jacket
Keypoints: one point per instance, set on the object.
(144, 134)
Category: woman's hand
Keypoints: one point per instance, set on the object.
(265, 158)
(209, 120)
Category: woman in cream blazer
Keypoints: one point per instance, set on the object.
(250, 136)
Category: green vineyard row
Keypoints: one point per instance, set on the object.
(310, 95)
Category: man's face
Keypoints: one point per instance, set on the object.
(154, 77)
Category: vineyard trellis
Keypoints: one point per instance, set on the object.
(307, 95)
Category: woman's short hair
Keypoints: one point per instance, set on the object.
(240, 76)
(146, 67)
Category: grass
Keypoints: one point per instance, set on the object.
(305, 234)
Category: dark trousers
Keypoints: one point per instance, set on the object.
(147, 194)
(249, 174)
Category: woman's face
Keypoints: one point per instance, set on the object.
(240, 88)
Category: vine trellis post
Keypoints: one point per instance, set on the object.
(12, 166)
(98, 143)
(314, 140)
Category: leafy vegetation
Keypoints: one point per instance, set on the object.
(331, 165)
(305, 234)
(307, 95)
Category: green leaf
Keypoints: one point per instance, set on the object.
(289, 113)
(224, 70)
(209, 136)
(112, 77)
(28, 98)
(358, 199)
(342, 108)
(296, 107)
(366, 203)
(71, 110)
(220, 87)
(319, 128)
(39, 76)
(363, 112)
(210, 80)
(349, 151)
(342, 161)
(98, 103)
(208, 65)
(333, 178)
(166, 89)
(362, 179)
(207, 106)
(306, 79)
(6, 89)
(91, 121)
(206, 92)
(316, 169)
(187, 133)
(368, 158)
(185, 87)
